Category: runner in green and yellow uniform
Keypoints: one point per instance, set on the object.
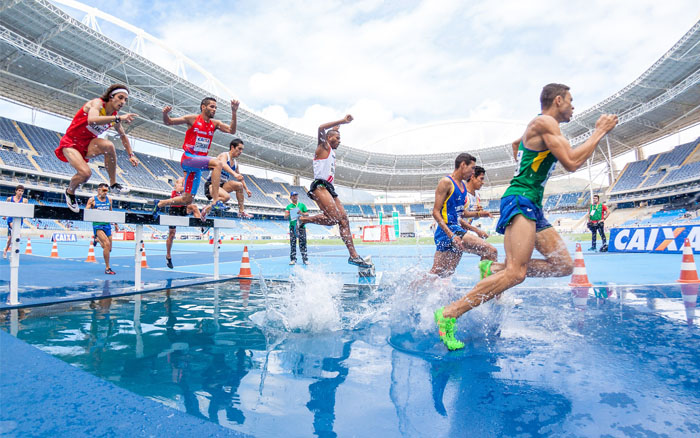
(522, 220)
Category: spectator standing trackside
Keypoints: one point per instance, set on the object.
(597, 213)
(293, 212)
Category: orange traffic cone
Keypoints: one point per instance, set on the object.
(245, 265)
(91, 253)
(689, 274)
(144, 263)
(690, 299)
(579, 278)
(211, 239)
(54, 250)
(28, 250)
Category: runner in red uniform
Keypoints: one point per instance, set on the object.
(81, 142)
(196, 147)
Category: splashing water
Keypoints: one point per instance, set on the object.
(310, 302)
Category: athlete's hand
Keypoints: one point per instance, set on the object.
(484, 213)
(240, 177)
(128, 118)
(606, 122)
(348, 118)
(482, 234)
(234, 105)
(249, 193)
(134, 161)
(167, 109)
(457, 242)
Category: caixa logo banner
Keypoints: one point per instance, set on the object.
(63, 237)
(657, 239)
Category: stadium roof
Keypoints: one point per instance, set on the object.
(52, 62)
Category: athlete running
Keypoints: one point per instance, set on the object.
(177, 210)
(194, 159)
(472, 211)
(18, 198)
(522, 220)
(103, 230)
(323, 192)
(231, 178)
(81, 142)
(453, 203)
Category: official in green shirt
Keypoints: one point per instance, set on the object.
(597, 213)
(293, 211)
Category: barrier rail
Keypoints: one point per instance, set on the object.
(31, 211)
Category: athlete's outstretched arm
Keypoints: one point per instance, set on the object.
(347, 119)
(230, 129)
(127, 145)
(93, 108)
(90, 204)
(555, 141)
(188, 119)
(516, 146)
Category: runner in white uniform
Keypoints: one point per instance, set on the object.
(323, 192)
(477, 244)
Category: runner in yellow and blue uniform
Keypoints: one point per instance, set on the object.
(450, 198)
(522, 220)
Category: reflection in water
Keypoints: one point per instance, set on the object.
(545, 373)
(323, 392)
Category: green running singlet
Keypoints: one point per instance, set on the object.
(532, 171)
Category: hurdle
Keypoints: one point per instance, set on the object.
(32, 211)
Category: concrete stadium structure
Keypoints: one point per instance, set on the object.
(52, 62)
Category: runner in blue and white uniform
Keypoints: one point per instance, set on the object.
(231, 179)
(19, 199)
(476, 243)
(103, 230)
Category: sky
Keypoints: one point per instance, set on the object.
(418, 76)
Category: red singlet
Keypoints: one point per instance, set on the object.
(80, 133)
(199, 136)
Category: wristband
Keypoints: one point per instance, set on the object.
(132, 155)
(117, 119)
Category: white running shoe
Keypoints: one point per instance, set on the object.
(72, 202)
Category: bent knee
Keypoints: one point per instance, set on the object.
(85, 173)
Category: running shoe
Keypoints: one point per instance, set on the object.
(119, 189)
(156, 209)
(72, 202)
(446, 329)
(358, 261)
(485, 268)
(244, 215)
(220, 206)
(604, 248)
(109, 271)
(592, 248)
(305, 261)
(169, 263)
(292, 262)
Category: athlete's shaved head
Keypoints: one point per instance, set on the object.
(550, 92)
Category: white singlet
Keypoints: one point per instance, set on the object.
(325, 169)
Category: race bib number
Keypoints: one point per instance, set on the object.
(517, 162)
(98, 130)
(202, 144)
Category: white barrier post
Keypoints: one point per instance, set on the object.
(138, 237)
(14, 260)
(137, 326)
(216, 253)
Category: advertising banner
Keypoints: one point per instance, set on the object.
(663, 240)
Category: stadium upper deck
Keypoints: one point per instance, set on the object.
(53, 62)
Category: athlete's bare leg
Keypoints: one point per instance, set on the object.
(519, 244)
(557, 261)
(82, 170)
(445, 263)
(215, 167)
(235, 186)
(184, 199)
(223, 194)
(102, 146)
(106, 243)
(169, 242)
(476, 245)
(333, 213)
